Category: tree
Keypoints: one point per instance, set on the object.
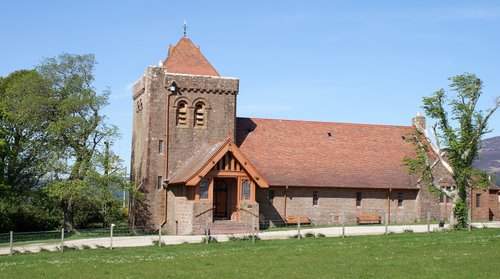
(456, 141)
(108, 178)
(79, 128)
(25, 111)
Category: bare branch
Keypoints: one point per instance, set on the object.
(482, 126)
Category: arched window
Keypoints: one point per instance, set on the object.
(182, 114)
(200, 114)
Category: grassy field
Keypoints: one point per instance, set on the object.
(452, 254)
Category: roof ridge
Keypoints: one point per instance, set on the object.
(326, 122)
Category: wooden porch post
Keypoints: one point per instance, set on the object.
(211, 189)
(238, 196)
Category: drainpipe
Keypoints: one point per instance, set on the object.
(171, 90)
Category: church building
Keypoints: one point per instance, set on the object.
(200, 165)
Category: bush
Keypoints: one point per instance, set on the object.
(244, 238)
(210, 240)
(34, 212)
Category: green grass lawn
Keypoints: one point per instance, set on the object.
(452, 254)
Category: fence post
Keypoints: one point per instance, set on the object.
(428, 221)
(62, 239)
(343, 224)
(206, 233)
(386, 222)
(11, 243)
(111, 236)
(469, 216)
(253, 230)
(298, 228)
(159, 236)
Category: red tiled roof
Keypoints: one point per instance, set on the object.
(303, 153)
(186, 58)
(199, 164)
(196, 162)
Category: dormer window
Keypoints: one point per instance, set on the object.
(199, 115)
(182, 114)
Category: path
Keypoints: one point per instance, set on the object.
(137, 241)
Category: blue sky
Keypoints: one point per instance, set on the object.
(343, 61)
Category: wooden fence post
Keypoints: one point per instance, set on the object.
(159, 236)
(11, 243)
(298, 228)
(343, 224)
(62, 239)
(206, 233)
(386, 222)
(428, 221)
(111, 237)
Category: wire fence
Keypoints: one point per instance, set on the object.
(123, 236)
(13, 242)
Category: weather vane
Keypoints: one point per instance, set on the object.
(185, 28)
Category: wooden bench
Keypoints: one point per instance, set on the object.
(368, 218)
(293, 220)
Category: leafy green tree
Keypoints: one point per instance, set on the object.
(108, 177)
(79, 127)
(457, 132)
(25, 111)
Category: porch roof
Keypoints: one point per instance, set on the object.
(203, 161)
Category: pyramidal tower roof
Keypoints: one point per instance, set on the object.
(186, 58)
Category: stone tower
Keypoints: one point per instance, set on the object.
(179, 107)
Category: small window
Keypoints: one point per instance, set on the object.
(441, 198)
(139, 106)
(478, 200)
(358, 198)
(159, 184)
(160, 146)
(246, 190)
(182, 114)
(199, 116)
(271, 197)
(400, 199)
(204, 188)
(315, 198)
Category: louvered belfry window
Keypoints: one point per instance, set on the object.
(199, 115)
(182, 114)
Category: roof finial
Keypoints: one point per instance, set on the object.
(185, 28)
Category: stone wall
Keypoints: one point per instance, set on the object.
(219, 96)
(249, 213)
(481, 213)
(493, 204)
(146, 162)
(202, 215)
(152, 104)
(333, 203)
(183, 216)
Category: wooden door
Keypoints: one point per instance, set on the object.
(220, 199)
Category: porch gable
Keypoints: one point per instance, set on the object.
(226, 161)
